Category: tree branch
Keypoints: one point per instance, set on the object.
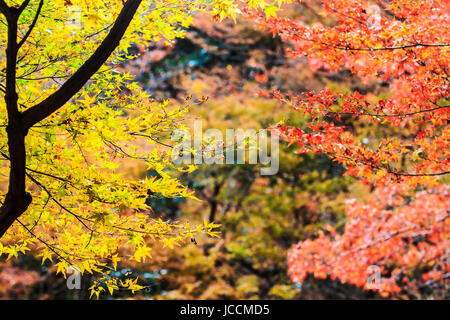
(32, 25)
(4, 8)
(405, 46)
(396, 115)
(56, 100)
(10, 12)
(23, 5)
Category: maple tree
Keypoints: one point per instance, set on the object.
(398, 143)
(71, 116)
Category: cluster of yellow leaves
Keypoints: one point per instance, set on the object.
(232, 8)
(111, 284)
(89, 211)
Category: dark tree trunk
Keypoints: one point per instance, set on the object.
(17, 199)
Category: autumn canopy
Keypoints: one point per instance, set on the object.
(85, 149)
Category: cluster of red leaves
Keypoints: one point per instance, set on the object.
(373, 159)
(404, 45)
(397, 232)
